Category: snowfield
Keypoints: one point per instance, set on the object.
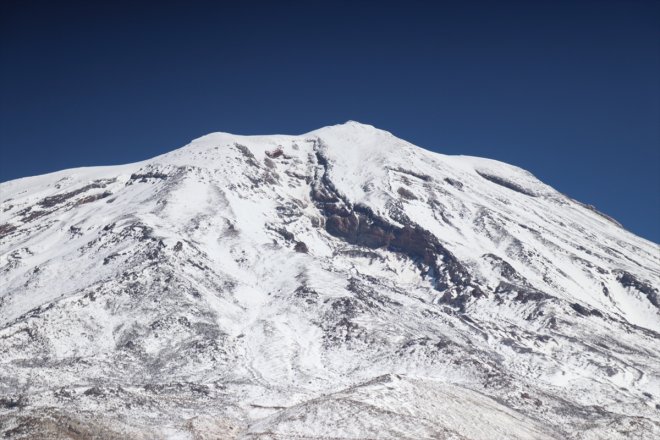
(341, 284)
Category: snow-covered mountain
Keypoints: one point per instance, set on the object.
(341, 284)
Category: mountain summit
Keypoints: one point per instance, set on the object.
(341, 284)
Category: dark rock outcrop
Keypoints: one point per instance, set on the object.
(143, 177)
(453, 182)
(406, 193)
(629, 280)
(301, 247)
(506, 183)
(6, 229)
(584, 311)
(275, 153)
(359, 225)
(50, 201)
(424, 177)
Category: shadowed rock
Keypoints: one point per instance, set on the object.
(629, 280)
(359, 225)
(506, 183)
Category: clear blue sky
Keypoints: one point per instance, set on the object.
(567, 90)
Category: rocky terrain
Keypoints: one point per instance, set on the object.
(341, 284)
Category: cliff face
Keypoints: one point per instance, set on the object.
(339, 284)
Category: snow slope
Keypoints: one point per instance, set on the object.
(339, 284)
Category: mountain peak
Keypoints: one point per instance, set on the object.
(346, 127)
(349, 126)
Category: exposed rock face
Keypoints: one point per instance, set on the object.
(358, 225)
(506, 183)
(339, 284)
(630, 281)
(49, 202)
(6, 229)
